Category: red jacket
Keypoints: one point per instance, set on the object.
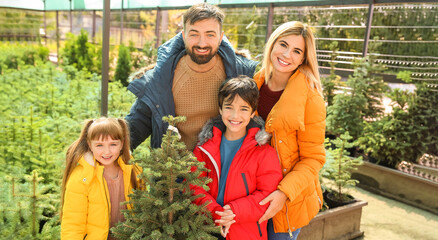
(254, 173)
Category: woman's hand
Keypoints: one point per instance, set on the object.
(277, 199)
(227, 218)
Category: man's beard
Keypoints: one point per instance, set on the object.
(200, 59)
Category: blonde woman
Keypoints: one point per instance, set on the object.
(292, 105)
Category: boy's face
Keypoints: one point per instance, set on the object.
(202, 40)
(236, 116)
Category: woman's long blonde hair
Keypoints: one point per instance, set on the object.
(309, 67)
(97, 129)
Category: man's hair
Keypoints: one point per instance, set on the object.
(243, 86)
(201, 12)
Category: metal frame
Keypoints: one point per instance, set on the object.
(270, 4)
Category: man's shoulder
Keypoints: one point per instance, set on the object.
(244, 63)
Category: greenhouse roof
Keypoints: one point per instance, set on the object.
(84, 5)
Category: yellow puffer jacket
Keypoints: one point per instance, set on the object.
(87, 206)
(297, 125)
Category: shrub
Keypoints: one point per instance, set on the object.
(123, 68)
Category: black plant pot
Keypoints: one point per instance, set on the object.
(332, 201)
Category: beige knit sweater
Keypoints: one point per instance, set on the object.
(195, 96)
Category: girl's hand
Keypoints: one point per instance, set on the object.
(277, 199)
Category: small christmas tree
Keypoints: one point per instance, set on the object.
(339, 165)
(164, 208)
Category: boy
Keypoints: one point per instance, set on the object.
(244, 169)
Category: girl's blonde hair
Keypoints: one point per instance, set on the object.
(309, 67)
(97, 129)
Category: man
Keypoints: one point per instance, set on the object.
(186, 78)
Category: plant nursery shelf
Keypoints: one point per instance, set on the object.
(398, 185)
(340, 223)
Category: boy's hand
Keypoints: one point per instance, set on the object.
(225, 229)
(227, 218)
(277, 199)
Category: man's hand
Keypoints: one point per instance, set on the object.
(277, 199)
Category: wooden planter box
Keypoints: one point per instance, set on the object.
(395, 184)
(339, 223)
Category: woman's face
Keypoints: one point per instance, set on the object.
(288, 53)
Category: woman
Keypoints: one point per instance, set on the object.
(292, 105)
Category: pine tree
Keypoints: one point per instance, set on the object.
(164, 209)
(123, 68)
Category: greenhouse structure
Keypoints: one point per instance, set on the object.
(64, 63)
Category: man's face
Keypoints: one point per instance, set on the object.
(202, 40)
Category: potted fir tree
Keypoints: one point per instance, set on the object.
(339, 221)
(338, 169)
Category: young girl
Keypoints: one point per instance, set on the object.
(97, 179)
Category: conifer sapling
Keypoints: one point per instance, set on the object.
(164, 208)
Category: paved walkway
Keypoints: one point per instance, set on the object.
(386, 219)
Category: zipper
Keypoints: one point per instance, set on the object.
(245, 183)
(247, 194)
(107, 202)
(212, 161)
(287, 209)
(276, 149)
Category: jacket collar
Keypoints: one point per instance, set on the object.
(256, 125)
(95, 168)
(289, 111)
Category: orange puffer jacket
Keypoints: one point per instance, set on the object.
(297, 125)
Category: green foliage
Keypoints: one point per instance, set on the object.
(410, 131)
(424, 116)
(81, 54)
(388, 140)
(42, 110)
(251, 31)
(405, 76)
(123, 68)
(245, 28)
(347, 111)
(359, 101)
(401, 98)
(339, 164)
(20, 25)
(331, 83)
(165, 209)
(16, 55)
(28, 206)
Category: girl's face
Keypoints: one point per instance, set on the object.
(288, 53)
(236, 116)
(106, 151)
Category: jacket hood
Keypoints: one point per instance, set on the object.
(262, 137)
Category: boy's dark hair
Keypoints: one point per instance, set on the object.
(243, 86)
(203, 11)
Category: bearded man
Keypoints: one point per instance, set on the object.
(186, 78)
